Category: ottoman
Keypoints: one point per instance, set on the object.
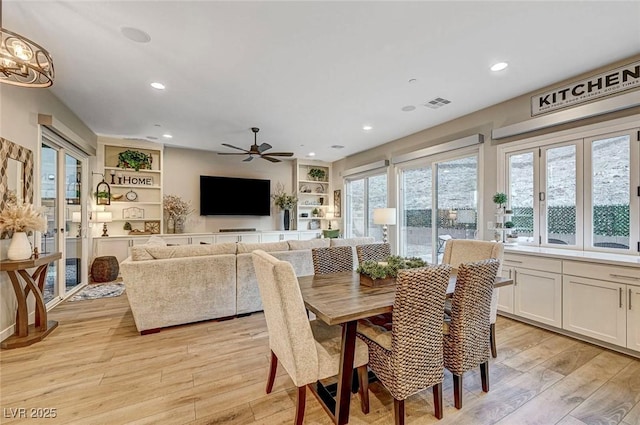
(105, 269)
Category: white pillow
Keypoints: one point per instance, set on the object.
(156, 241)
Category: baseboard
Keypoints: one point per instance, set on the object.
(6, 333)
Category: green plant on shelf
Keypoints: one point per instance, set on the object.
(134, 159)
(500, 199)
(509, 225)
(103, 194)
(317, 174)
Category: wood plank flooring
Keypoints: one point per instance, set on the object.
(96, 369)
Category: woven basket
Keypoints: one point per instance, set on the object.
(105, 269)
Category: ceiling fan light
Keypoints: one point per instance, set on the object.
(23, 62)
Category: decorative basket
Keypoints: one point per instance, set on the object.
(105, 269)
(374, 283)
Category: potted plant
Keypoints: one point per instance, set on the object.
(315, 212)
(177, 210)
(285, 202)
(377, 273)
(102, 197)
(500, 199)
(317, 174)
(134, 159)
(20, 219)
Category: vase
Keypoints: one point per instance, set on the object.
(286, 219)
(19, 248)
(171, 225)
(281, 220)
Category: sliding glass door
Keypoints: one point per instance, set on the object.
(438, 202)
(61, 180)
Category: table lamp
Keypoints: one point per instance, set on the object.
(102, 217)
(76, 217)
(386, 217)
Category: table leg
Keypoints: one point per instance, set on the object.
(41, 311)
(22, 314)
(347, 355)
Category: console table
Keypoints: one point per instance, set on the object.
(26, 334)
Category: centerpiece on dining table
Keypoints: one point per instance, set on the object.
(380, 273)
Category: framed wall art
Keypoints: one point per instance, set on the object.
(337, 203)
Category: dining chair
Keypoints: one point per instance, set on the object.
(409, 358)
(466, 330)
(332, 259)
(373, 252)
(458, 251)
(308, 350)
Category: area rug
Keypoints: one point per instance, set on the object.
(92, 292)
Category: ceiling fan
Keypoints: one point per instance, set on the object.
(256, 150)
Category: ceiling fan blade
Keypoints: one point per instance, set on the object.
(270, 159)
(263, 147)
(250, 158)
(232, 153)
(234, 147)
(279, 154)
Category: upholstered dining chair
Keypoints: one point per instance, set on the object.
(373, 252)
(466, 330)
(308, 350)
(332, 259)
(458, 251)
(409, 358)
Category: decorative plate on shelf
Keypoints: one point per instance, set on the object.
(319, 189)
(314, 224)
(305, 189)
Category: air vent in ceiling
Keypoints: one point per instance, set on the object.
(437, 103)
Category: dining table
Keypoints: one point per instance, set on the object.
(340, 299)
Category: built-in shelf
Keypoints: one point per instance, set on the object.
(130, 170)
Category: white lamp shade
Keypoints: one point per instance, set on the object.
(102, 217)
(384, 216)
(76, 217)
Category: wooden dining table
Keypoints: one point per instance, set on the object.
(340, 299)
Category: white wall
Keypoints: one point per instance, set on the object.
(19, 109)
(181, 176)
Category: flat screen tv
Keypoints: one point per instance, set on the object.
(234, 196)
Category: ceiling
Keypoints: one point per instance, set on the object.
(310, 74)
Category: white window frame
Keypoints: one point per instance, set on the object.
(347, 197)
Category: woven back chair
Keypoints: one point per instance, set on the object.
(465, 342)
(306, 349)
(332, 259)
(408, 358)
(373, 252)
(458, 251)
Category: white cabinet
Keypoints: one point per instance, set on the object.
(305, 236)
(117, 247)
(505, 293)
(312, 183)
(537, 288)
(235, 237)
(207, 239)
(602, 302)
(279, 236)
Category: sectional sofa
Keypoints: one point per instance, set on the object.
(174, 285)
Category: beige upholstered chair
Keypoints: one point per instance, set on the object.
(408, 358)
(465, 337)
(332, 259)
(373, 252)
(308, 350)
(459, 251)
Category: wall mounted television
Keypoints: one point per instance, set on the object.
(234, 196)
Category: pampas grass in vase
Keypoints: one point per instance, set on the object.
(19, 219)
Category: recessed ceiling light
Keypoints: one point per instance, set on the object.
(499, 66)
(367, 127)
(167, 136)
(408, 108)
(158, 86)
(152, 138)
(135, 34)
(337, 146)
(412, 81)
(157, 125)
(311, 154)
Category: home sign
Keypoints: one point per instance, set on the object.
(140, 181)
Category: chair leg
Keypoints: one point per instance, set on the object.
(273, 365)
(300, 403)
(398, 411)
(457, 391)
(437, 400)
(492, 339)
(363, 388)
(484, 375)
(355, 386)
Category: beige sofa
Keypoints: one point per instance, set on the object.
(173, 285)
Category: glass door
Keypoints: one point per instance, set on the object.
(62, 170)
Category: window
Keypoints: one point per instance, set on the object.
(578, 193)
(438, 202)
(363, 195)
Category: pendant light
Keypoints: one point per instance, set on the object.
(23, 62)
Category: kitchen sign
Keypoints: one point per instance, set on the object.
(611, 82)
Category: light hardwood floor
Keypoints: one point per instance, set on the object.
(96, 369)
